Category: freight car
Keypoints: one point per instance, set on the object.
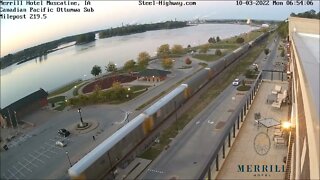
(122, 145)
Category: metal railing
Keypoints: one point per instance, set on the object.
(229, 132)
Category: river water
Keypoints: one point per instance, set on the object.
(76, 62)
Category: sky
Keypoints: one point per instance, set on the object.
(20, 34)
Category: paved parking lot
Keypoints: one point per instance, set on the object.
(37, 158)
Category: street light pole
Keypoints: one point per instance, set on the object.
(15, 115)
(81, 121)
(68, 158)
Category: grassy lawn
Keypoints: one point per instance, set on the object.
(185, 67)
(208, 57)
(243, 88)
(76, 90)
(56, 99)
(65, 88)
(203, 102)
(137, 88)
(61, 106)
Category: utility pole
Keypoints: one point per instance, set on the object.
(15, 115)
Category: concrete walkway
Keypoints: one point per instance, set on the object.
(244, 149)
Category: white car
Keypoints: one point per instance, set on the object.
(61, 143)
(236, 82)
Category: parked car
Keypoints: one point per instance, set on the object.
(236, 82)
(61, 143)
(63, 132)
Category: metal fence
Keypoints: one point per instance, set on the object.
(229, 132)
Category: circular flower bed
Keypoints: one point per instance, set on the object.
(107, 82)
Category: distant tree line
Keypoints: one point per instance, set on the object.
(131, 29)
(85, 38)
(308, 14)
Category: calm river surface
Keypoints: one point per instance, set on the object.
(76, 62)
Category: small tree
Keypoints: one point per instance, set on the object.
(129, 65)
(143, 59)
(189, 46)
(167, 63)
(96, 70)
(240, 40)
(188, 61)
(177, 49)
(218, 39)
(212, 40)
(266, 51)
(163, 50)
(204, 48)
(111, 67)
(218, 52)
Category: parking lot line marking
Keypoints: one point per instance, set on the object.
(48, 150)
(53, 140)
(24, 166)
(18, 170)
(52, 146)
(30, 162)
(12, 174)
(42, 154)
(36, 158)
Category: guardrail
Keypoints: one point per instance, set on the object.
(232, 126)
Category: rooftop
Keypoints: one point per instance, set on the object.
(308, 47)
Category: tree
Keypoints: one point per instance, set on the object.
(143, 59)
(188, 61)
(218, 52)
(167, 63)
(266, 51)
(177, 49)
(111, 67)
(189, 46)
(212, 40)
(96, 70)
(218, 39)
(204, 48)
(129, 65)
(163, 50)
(240, 40)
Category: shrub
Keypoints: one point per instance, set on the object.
(240, 40)
(218, 52)
(188, 61)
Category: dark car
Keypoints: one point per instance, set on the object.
(64, 132)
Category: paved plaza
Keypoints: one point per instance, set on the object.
(245, 150)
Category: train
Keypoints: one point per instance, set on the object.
(123, 146)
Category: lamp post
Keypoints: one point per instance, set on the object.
(153, 81)
(81, 121)
(15, 115)
(128, 92)
(68, 158)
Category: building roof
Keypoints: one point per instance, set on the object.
(308, 47)
(153, 72)
(26, 101)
